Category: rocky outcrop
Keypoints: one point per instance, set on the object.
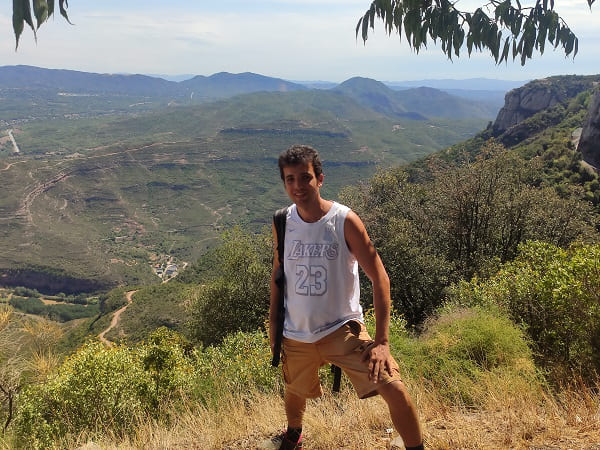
(519, 104)
(589, 142)
(524, 102)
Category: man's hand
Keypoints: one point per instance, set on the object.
(379, 358)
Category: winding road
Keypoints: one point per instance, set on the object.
(115, 319)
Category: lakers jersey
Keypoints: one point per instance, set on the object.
(322, 287)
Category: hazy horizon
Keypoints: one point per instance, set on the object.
(474, 83)
(289, 39)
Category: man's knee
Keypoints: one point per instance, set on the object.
(394, 392)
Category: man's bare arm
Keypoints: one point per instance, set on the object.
(360, 245)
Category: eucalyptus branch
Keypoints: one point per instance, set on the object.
(42, 10)
(496, 26)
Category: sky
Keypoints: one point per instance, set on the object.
(301, 40)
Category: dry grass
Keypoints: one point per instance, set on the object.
(530, 420)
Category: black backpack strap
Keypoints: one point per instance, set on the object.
(279, 219)
(337, 378)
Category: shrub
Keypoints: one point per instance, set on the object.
(237, 298)
(29, 305)
(168, 359)
(58, 312)
(96, 388)
(26, 292)
(239, 365)
(554, 293)
(99, 389)
(465, 351)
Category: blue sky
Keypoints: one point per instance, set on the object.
(291, 39)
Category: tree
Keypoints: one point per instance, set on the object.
(235, 297)
(463, 222)
(498, 26)
(554, 294)
(42, 10)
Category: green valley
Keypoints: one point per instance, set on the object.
(103, 199)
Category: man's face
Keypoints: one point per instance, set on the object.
(301, 183)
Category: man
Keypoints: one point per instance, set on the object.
(325, 242)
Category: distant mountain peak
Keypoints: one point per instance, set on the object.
(362, 81)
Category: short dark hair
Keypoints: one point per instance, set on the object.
(300, 154)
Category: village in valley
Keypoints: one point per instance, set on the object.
(165, 268)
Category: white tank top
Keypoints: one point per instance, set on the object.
(322, 287)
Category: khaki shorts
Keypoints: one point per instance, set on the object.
(343, 347)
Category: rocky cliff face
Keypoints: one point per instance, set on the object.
(519, 104)
(589, 143)
(538, 95)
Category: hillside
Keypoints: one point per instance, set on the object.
(221, 85)
(107, 196)
(544, 120)
(30, 93)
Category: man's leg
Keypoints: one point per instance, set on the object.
(294, 409)
(403, 412)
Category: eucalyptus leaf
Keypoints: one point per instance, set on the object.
(25, 10)
(27, 14)
(18, 19)
(40, 10)
(63, 5)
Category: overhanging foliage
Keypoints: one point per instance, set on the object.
(42, 10)
(502, 27)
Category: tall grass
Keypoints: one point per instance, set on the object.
(566, 420)
(470, 373)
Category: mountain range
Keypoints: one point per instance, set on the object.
(39, 85)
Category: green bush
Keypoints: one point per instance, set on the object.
(237, 298)
(58, 312)
(240, 365)
(64, 313)
(168, 360)
(465, 350)
(26, 292)
(99, 389)
(29, 305)
(465, 355)
(554, 293)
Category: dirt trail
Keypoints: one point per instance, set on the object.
(115, 319)
(9, 165)
(14, 142)
(27, 201)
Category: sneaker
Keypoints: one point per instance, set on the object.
(282, 442)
